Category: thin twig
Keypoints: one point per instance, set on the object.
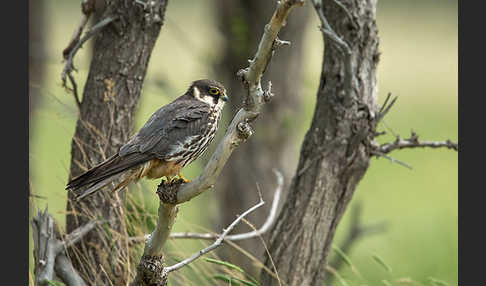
(329, 31)
(393, 160)
(74, 236)
(234, 237)
(385, 108)
(87, 7)
(271, 217)
(69, 66)
(74, 90)
(380, 133)
(414, 142)
(389, 128)
(217, 243)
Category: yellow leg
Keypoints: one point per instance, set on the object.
(182, 177)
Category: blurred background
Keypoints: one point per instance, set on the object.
(213, 39)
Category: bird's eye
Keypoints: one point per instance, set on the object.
(214, 91)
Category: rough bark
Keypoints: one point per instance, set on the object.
(120, 58)
(242, 23)
(335, 153)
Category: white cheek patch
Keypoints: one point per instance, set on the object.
(197, 93)
(206, 99)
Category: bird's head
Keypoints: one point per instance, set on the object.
(209, 91)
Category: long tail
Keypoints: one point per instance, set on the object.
(106, 172)
(97, 186)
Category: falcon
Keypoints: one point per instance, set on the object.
(174, 136)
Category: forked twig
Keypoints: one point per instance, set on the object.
(87, 9)
(69, 66)
(412, 142)
(218, 241)
(233, 237)
(385, 107)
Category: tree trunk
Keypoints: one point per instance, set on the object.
(120, 58)
(335, 152)
(242, 23)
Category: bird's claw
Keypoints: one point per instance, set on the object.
(183, 178)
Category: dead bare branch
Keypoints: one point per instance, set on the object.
(49, 250)
(234, 237)
(385, 107)
(65, 270)
(414, 142)
(87, 7)
(393, 160)
(69, 54)
(45, 247)
(218, 241)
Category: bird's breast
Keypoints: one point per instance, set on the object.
(159, 168)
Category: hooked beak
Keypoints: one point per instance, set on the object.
(224, 97)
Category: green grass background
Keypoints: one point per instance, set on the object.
(418, 41)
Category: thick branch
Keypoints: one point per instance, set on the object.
(150, 270)
(65, 270)
(155, 241)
